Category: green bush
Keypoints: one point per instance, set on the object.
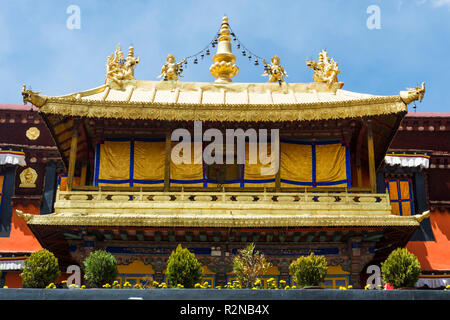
(100, 268)
(309, 271)
(248, 265)
(183, 268)
(40, 269)
(401, 269)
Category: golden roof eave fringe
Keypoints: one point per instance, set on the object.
(224, 112)
(215, 220)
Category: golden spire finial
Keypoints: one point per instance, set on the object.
(223, 68)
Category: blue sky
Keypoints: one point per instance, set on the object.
(37, 49)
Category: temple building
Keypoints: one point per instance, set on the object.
(315, 189)
(29, 165)
(418, 165)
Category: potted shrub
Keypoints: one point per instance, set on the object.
(401, 269)
(309, 272)
(248, 265)
(40, 269)
(100, 268)
(183, 268)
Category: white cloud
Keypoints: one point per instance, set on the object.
(441, 3)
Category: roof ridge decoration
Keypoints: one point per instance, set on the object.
(224, 67)
(120, 71)
(171, 70)
(274, 70)
(325, 69)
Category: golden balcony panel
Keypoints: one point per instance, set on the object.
(222, 209)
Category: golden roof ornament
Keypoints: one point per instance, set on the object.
(325, 69)
(171, 70)
(119, 70)
(413, 94)
(274, 70)
(34, 97)
(223, 68)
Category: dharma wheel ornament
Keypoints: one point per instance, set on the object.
(325, 69)
(224, 67)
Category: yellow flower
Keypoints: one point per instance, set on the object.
(197, 285)
(51, 286)
(367, 287)
(257, 282)
(106, 285)
(286, 288)
(350, 287)
(342, 288)
(255, 288)
(294, 287)
(64, 281)
(5, 287)
(218, 287)
(83, 287)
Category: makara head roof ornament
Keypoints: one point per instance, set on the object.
(325, 68)
(274, 70)
(413, 94)
(171, 70)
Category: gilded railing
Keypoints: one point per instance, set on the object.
(238, 202)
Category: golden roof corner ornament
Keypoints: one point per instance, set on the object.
(120, 71)
(413, 94)
(25, 216)
(31, 96)
(274, 70)
(422, 216)
(325, 68)
(171, 70)
(224, 67)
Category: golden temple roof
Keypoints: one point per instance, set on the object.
(164, 100)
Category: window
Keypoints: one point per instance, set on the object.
(401, 196)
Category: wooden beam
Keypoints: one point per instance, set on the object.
(72, 157)
(370, 149)
(167, 162)
(83, 174)
(278, 174)
(358, 155)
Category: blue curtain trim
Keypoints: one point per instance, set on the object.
(186, 181)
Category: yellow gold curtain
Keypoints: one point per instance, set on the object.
(296, 163)
(114, 163)
(149, 162)
(252, 172)
(331, 164)
(186, 174)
